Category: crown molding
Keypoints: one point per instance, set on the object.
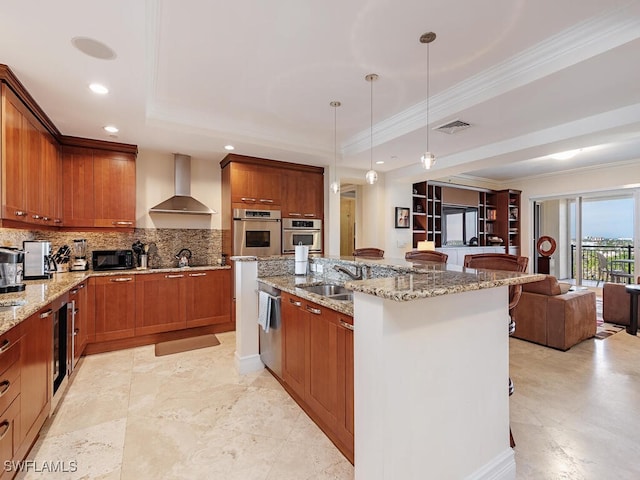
(567, 48)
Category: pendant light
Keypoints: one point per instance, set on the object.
(335, 186)
(428, 159)
(372, 175)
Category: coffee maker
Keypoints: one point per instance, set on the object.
(38, 262)
(80, 262)
(11, 270)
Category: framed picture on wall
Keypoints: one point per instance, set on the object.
(402, 217)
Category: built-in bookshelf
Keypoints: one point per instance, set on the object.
(426, 213)
(508, 222)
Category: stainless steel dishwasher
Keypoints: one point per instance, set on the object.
(271, 341)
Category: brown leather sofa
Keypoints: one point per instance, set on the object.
(546, 316)
(616, 303)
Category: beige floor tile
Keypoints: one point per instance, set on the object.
(298, 461)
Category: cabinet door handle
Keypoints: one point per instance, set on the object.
(76, 331)
(315, 311)
(46, 219)
(128, 279)
(122, 224)
(295, 302)
(309, 214)
(174, 276)
(247, 199)
(81, 286)
(20, 213)
(295, 214)
(197, 274)
(266, 200)
(46, 314)
(5, 345)
(35, 216)
(346, 325)
(74, 291)
(57, 220)
(5, 428)
(4, 386)
(75, 311)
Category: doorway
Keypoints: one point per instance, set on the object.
(347, 220)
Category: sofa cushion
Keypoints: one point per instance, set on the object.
(564, 287)
(548, 286)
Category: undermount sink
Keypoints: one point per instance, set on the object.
(334, 292)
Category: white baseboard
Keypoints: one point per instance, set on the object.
(502, 467)
(248, 364)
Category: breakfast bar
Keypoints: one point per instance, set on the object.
(431, 360)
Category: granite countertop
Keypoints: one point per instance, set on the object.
(39, 293)
(292, 283)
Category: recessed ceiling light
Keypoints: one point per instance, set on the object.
(379, 162)
(111, 129)
(98, 88)
(229, 147)
(566, 155)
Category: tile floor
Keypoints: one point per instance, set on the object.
(131, 415)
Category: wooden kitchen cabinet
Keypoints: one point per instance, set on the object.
(10, 388)
(114, 184)
(256, 186)
(100, 188)
(302, 194)
(318, 365)
(115, 312)
(208, 297)
(160, 302)
(295, 335)
(36, 357)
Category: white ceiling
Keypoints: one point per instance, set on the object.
(532, 77)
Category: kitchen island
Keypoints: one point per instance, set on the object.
(431, 360)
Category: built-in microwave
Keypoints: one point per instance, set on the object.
(301, 232)
(112, 259)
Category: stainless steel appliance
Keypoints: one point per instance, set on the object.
(256, 232)
(271, 339)
(112, 259)
(38, 262)
(301, 232)
(80, 262)
(11, 270)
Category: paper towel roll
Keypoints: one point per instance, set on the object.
(302, 253)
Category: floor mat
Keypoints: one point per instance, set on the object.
(607, 329)
(185, 344)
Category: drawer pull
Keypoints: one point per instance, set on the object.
(122, 224)
(81, 286)
(46, 314)
(266, 200)
(295, 214)
(76, 332)
(75, 311)
(346, 325)
(20, 213)
(127, 279)
(4, 386)
(309, 214)
(197, 274)
(74, 291)
(174, 276)
(295, 302)
(35, 216)
(5, 345)
(46, 219)
(5, 429)
(315, 311)
(57, 220)
(247, 199)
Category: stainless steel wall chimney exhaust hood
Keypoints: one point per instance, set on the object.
(182, 201)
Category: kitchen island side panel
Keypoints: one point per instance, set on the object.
(431, 377)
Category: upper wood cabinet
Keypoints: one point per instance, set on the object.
(255, 185)
(94, 184)
(99, 188)
(302, 194)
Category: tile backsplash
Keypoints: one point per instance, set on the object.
(165, 243)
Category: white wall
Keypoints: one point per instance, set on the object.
(614, 178)
(155, 183)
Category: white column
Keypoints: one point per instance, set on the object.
(431, 387)
(247, 334)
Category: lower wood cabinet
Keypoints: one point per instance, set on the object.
(81, 316)
(160, 302)
(115, 298)
(10, 398)
(208, 297)
(318, 365)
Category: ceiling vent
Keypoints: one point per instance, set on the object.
(182, 201)
(453, 127)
